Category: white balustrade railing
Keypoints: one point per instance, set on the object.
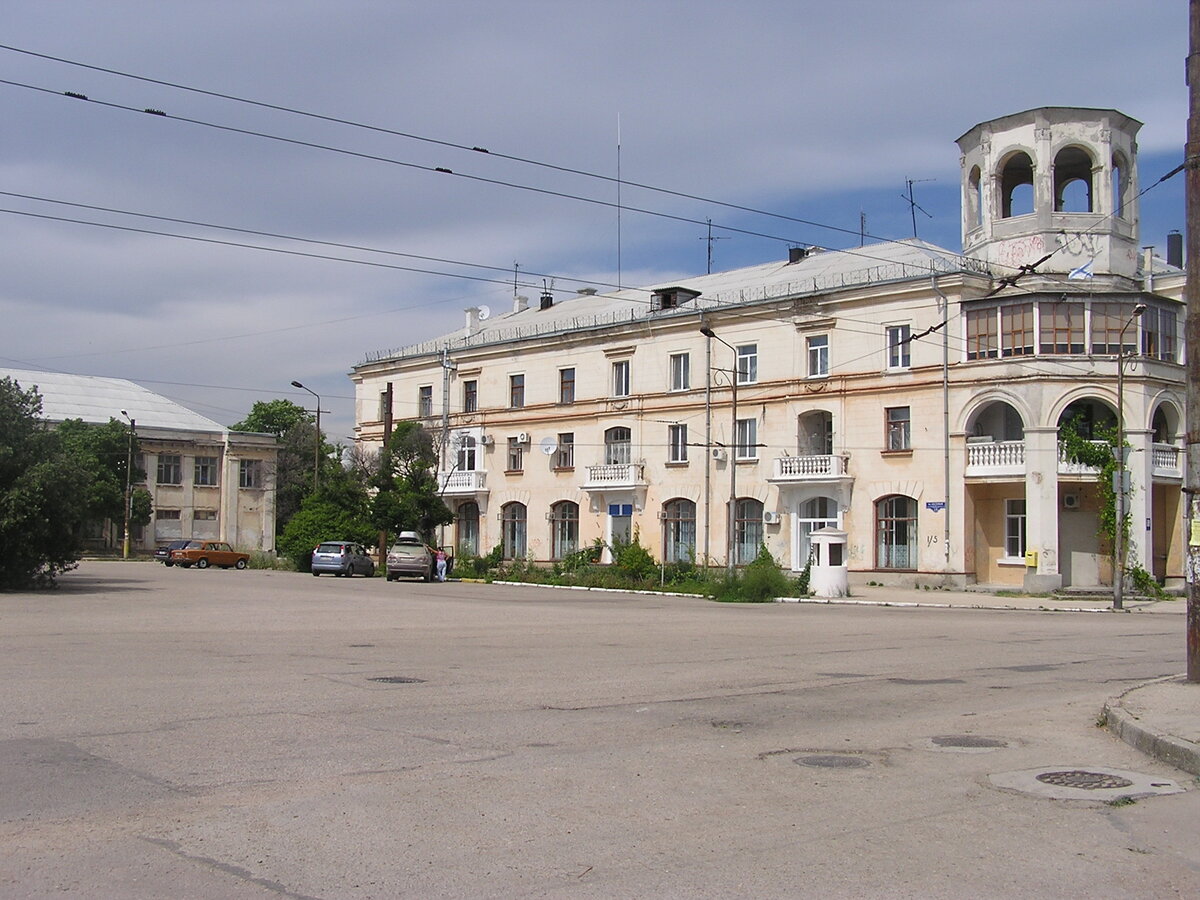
(1166, 459)
(614, 475)
(809, 467)
(463, 482)
(996, 456)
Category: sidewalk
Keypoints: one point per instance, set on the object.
(981, 599)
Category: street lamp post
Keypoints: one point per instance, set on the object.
(128, 486)
(1119, 476)
(316, 439)
(731, 517)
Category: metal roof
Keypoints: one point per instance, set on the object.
(96, 400)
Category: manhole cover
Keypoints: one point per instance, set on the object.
(968, 741)
(832, 762)
(397, 679)
(1088, 781)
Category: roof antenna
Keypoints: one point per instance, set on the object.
(912, 204)
(710, 240)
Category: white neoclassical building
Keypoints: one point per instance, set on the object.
(907, 394)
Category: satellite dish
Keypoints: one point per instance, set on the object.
(484, 313)
(548, 445)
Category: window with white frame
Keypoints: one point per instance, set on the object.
(566, 385)
(564, 529)
(516, 391)
(1014, 528)
(681, 376)
(466, 453)
(513, 525)
(747, 530)
(470, 395)
(746, 442)
(466, 524)
(620, 378)
(425, 401)
(899, 339)
(896, 533)
(677, 443)
(564, 455)
(679, 531)
(818, 355)
(898, 423)
(516, 455)
(618, 446)
(747, 363)
(815, 513)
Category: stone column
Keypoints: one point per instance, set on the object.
(1041, 508)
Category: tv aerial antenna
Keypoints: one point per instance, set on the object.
(710, 240)
(913, 206)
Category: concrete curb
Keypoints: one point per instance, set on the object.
(1174, 751)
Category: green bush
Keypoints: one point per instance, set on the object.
(634, 560)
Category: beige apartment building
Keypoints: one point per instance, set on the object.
(909, 395)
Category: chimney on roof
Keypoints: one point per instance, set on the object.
(795, 254)
(472, 320)
(586, 292)
(520, 303)
(1175, 249)
(547, 300)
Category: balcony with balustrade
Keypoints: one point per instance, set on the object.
(809, 469)
(995, 459)
(614, 476)
(1166, 461)
(462, 483)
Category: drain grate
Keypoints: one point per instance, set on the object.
(968, 741)
(397, 679)
(1088, 781)
(831, 761)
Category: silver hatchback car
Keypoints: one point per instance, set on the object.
(341, 558)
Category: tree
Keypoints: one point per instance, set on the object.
(407, 498)
(103, 452)
(43, 494)
(340, 510)
(296, 430)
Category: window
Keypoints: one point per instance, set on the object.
(620, 378)
(170, 469)
(516, 391)
(470, 396)
(747, 363)
(681, 376)
(1014, 528)
(982, 333)
(250, 473)
(819, 512)
(747, 530)
(466, 524)
(205, 515)
(512, 521)
(566, 385)
(204, 472)
(818, 355)
(745, 445)
(896, 533)
(1108, 319)
(1061, 328)
(167, 515)
(679, 531)
(564, 529)
(1016, 329)
(516, 455)
(466, 454)
(898, 425)
(677, 443)
(425, 401)
(1159, 334)
(618, 446)
(564, 457)
(899, 339)
(383, 405)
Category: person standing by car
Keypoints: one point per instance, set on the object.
(441, 564)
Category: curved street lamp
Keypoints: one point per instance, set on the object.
(316, 439)
(731, 518)
(1119, 476)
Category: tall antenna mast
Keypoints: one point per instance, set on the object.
(618, 201)
(710, 240)
(862, 227)
(912, 204)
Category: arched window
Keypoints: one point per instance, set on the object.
(466, 454)
(1093, 420)
(974, 199)
(1072, 180)
(466, 527)
(1016, 186)
(815, 434)
(819, 512)
(896, 533)
(1164, 423)
(679, 531)
(564, 529)
(747, 530)
(512, 521)
(617, 446)
(1120, 185)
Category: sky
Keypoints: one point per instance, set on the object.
(800, 110)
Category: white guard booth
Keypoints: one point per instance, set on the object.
(828, 576)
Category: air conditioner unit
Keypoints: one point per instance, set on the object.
(662, 513)
(486, 440)
(1070, 501)
(523, 437)
(719, 454)
(770, 517)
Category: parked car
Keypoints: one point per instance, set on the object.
(410, 556)
(162, 552)
(203, 554)
(341, 558)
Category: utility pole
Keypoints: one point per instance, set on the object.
(1191, 481)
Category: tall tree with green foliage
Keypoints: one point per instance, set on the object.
(408, 498)
(103, 452)
(339, 511)
(43, 494)
(297, 432)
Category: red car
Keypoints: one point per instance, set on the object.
(203, 554)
